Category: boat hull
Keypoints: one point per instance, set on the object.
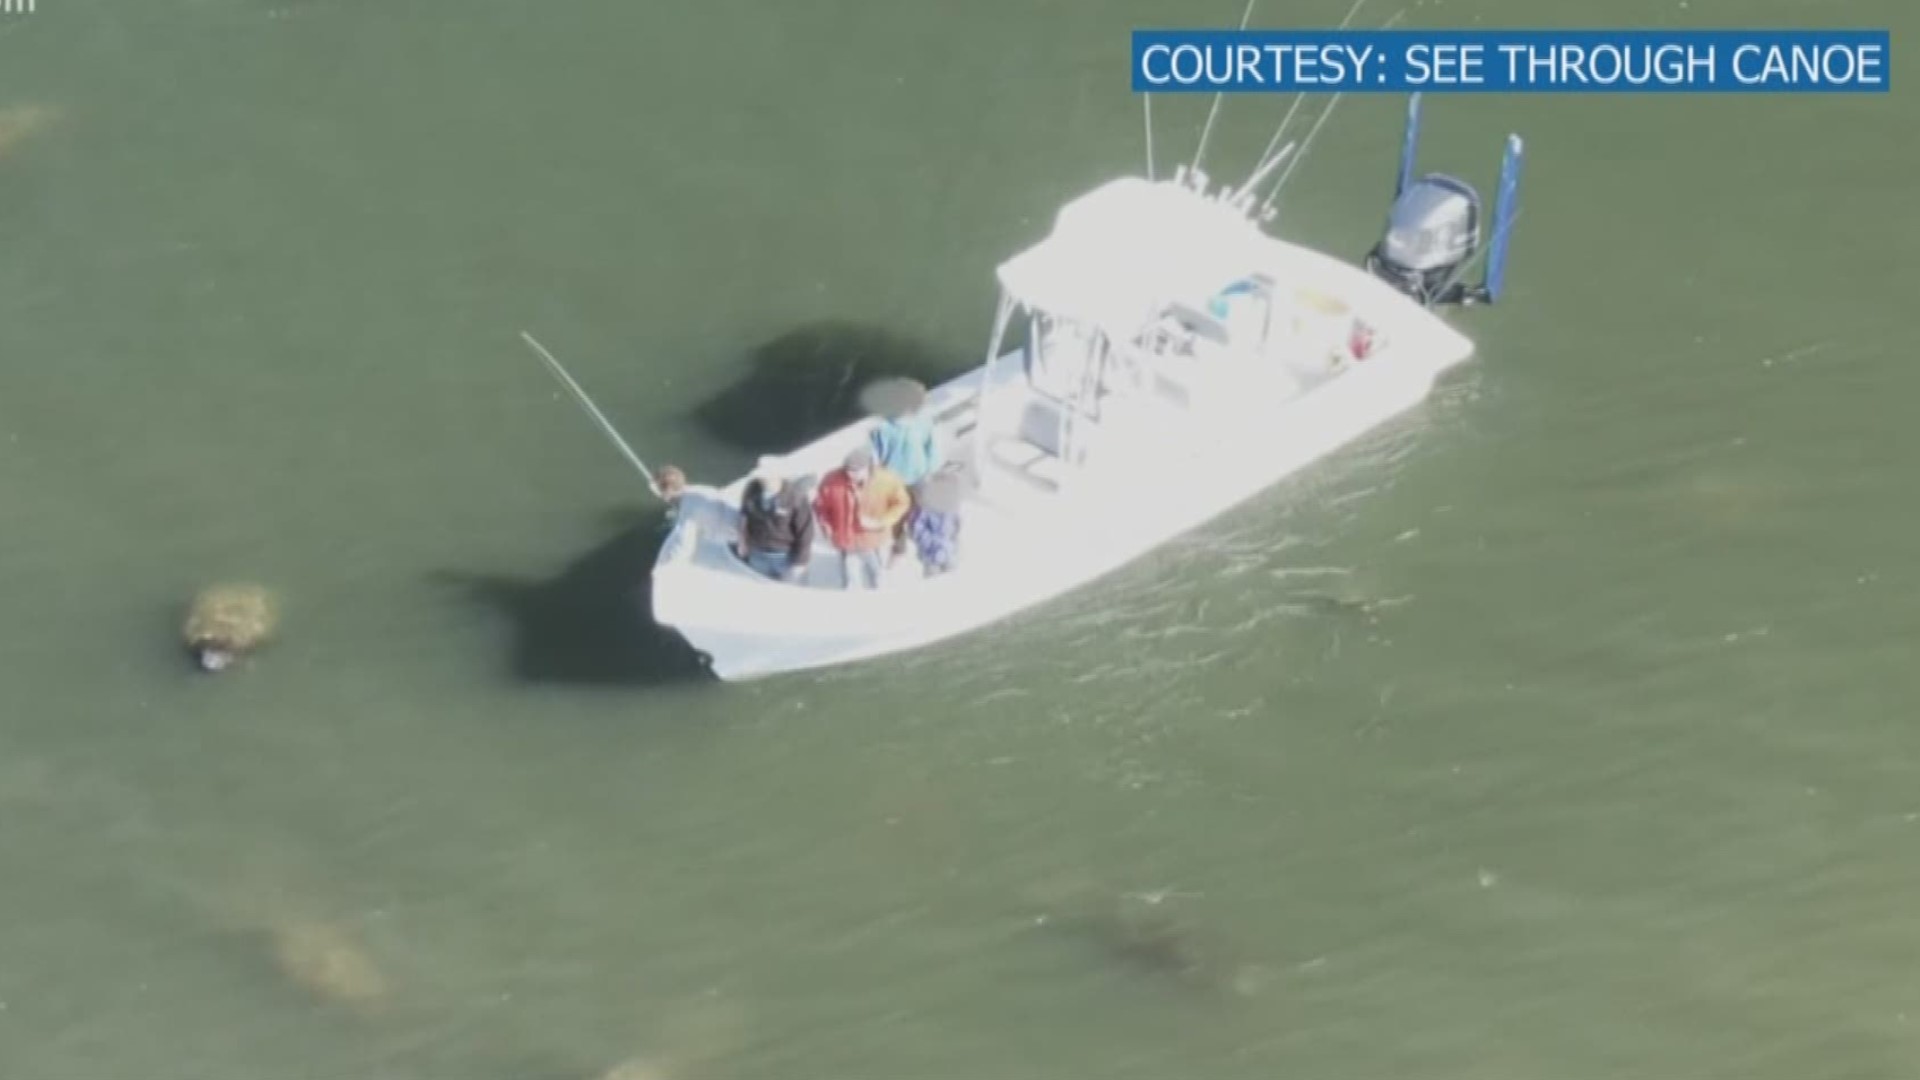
(751, 628)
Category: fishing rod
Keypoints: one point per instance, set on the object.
(1213, 112)
(1305, 146)
(1243, 198)
(1281, 131)
(1146, 106)
(593, 411)
(1315, 129)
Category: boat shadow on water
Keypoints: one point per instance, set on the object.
(591, 624)
(806, 383)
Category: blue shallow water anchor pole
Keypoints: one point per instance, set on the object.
(1506, 206)
(1409, 146)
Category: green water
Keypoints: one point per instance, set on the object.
(1561, 731)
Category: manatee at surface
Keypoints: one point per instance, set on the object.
(227, 622)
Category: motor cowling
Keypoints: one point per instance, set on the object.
(1432, 231)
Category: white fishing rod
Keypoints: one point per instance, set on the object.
(1146, 105)
(1213, 112)
(1243, 199)
(1281, 131)
(593, 411)
(1307, 144)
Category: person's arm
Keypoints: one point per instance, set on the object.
(931, 445)
(802, 537)
(823, 514)
(740, 519)
(877, 489)
(897, 504)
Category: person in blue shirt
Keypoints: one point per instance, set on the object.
(903, 441)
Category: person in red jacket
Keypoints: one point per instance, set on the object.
(858, 505)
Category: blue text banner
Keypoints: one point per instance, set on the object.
(1512, 61)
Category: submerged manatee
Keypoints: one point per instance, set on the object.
(276, 922)
(636, 1069)
(1335, 605)
(1729, 499)
(1145, 934)
(18, 122)
(328, 962)
(1150, 940)
(694, 1038)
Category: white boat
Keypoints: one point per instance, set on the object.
(1176, 361)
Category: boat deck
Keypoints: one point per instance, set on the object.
(1017, 486)
(1022, 482)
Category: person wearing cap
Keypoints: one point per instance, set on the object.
(776, 525)
(859, 505)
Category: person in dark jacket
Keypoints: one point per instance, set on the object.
(776, 527)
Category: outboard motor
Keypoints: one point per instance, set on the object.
(1433, 230)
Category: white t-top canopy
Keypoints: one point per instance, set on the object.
(1120, 253)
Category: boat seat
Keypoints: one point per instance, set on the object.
(1033, 464)
(1201, 325)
